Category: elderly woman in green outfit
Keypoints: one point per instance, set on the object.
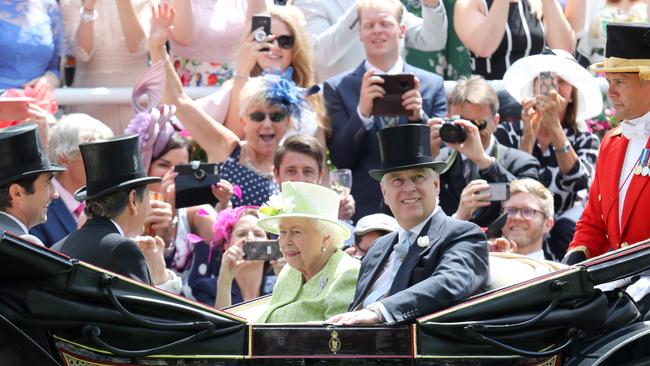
(320, 279)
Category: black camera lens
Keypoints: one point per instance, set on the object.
(452, 133)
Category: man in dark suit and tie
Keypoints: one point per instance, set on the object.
(65, 136)
(25, 180)
(480, 160)
(117, 203)
(432, 261)
(349, 99)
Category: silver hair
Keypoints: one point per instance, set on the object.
(330, 229)
(72, 130)
(253, 94)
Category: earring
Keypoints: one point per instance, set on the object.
(323, 249)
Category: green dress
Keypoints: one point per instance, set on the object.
(328, 293)
(453, 62)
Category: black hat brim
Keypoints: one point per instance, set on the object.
(54, 168)
(82, 194)
(437, 166)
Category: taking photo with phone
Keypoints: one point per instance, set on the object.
(394, 87)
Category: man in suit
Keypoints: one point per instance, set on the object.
(529, 213)
(349, 99)
(432, 261)
(63, 213)
(117, 203)
(479, 160)
(25, 180)
(617, 210)
(334, 26)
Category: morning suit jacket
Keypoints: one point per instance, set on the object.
(510, 164)
(9, 225)
(451, 268)
(59, 224)
(598, 229)
(352, 146)
(99, 243)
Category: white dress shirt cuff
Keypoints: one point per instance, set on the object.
(367, 121)
(389, 318)
(174, 283)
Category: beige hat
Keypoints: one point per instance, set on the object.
(374, 222)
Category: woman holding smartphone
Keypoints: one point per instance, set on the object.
(557, 95)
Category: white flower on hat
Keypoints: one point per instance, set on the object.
(423, 241)
(277, 205)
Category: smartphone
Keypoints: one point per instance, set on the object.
(495, 228)
(546, 82)
(499, 191)
(391, 104)
(262, 250)
(261, 21)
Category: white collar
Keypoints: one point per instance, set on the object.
(119, 228)
(417, 228)
(635, 121)
(637, 127)
(539, 255)
(397, 68)
(14, 218)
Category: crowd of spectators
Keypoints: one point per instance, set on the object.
(290, 106)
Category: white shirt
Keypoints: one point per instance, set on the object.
(634, 149)
(386, 274)
(119, 228)
(539, 255)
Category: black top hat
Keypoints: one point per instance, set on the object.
(405, 147)
(21, 154)
(112, 165)
(627, 50)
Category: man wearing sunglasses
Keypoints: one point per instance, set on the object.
(529, 213)
(478, 161)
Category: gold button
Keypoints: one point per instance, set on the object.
(624, 244)
(607, 236)
(600, 198)
(602, 218)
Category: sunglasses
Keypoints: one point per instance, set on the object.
(273, 116)
(285, 42)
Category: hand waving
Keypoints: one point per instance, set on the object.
(162, 17)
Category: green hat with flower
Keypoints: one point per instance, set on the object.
(301, 200)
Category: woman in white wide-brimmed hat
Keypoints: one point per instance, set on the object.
(319, 279)
(549, 130)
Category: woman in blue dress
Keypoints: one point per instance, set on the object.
(31, 33)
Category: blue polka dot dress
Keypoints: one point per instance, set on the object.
(256, 189)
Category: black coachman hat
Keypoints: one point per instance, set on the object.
(405, 147)
(21, 154)
(627, 50)
(111, 165)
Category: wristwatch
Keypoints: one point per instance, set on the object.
(375, 309)
(565, 148)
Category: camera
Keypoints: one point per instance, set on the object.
(449, 132)
(260, 35)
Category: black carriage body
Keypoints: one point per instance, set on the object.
(58, 311)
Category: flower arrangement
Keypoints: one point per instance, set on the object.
(277, 205)
(602, 123)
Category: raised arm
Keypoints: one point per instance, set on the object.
(131, 27)
(428, 33)
(185, 31)
(481, 30)
(558, 30)
(217, 140)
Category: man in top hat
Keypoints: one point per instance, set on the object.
(117, 203)
(617, 210)
(432, 261)
(25, 180)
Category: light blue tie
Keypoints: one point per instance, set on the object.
(385, 280)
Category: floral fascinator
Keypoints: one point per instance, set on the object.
(152, 122)
(225, 223)
(282, 91)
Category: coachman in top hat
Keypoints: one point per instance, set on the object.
(25, 180)
(117, 203)
(618, 208)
